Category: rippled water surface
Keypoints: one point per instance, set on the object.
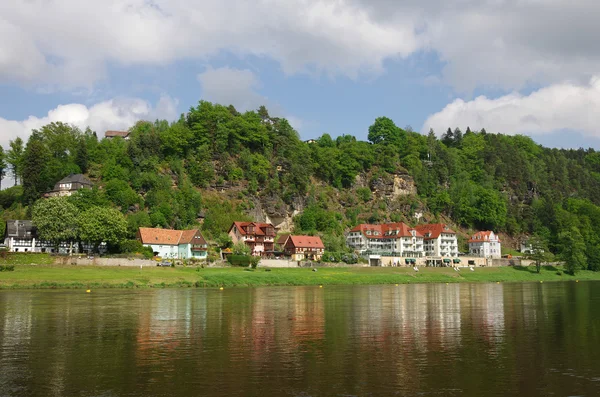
(427, 340)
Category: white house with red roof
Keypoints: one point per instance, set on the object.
(304, 247)
(485, 244)
(260, 237)
(439, 240)
(391, 239)
(174, 244)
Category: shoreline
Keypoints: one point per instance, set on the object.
(104, 277)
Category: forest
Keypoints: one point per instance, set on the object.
(214, 165)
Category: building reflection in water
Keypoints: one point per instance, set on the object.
(304, 340)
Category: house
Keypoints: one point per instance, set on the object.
(260, 237)
(174, 244)
(392, 239)
(70, 184)
(115, 134)
(22, 236)
(304, 247)
(438, 240)
(485, 244)
(281, 240)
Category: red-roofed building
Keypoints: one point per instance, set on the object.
(304, 247)
(115, 134)
(260, 237)
(439, 240)
(485, 244)
(393, 239)
(174, 244)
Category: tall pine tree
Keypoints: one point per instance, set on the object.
(35, 160)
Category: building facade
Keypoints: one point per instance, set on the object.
(22, 236)
(70, 184)
(439, 240)
(174, 244)
(304, 247)
(393, 239)
(485, 244)
(259, 237)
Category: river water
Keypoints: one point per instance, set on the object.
(426, 340)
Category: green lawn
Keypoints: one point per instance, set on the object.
(43, 276)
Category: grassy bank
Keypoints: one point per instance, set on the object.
(42, 276)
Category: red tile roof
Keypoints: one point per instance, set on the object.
(386, 230)
(307, 242)
(259, 228)
(432, 231)
(482, 237)
(167, 236)
(112, 134)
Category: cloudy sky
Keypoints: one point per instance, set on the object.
(511, 66)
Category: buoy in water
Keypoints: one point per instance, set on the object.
(541, 281)
(221, 288)
(396, 285)
(576, 281)
(320, 286)
(88, 291)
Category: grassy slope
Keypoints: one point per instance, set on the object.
(29, 276)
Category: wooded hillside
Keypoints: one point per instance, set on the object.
(218, 165)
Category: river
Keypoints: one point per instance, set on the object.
(426, 340)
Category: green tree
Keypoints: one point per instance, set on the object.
(572, 249)
(539, 253)
(384, 130)
(82, 157)
(3, 165)
(14, 157)
(99, 224)
(35, 161)
(56, 220)
(240, 248)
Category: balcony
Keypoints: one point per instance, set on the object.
(199, 247)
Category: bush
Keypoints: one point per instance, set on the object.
(7, 268)
(240, 260)
(135, 246)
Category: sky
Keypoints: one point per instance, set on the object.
(511, 66)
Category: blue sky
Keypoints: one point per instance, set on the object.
(328, 66)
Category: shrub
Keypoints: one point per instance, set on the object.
(7, 268)
(135, 246)
(240, 260)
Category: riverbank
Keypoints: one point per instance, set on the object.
(43, 276)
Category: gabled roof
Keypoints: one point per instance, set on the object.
(433, 231)
(306, 242)
(283, 238)
(399, 229)
(20, 229)
(76, 178)
(112, 134)
(168, 237)
(483, 236)
(258, 230)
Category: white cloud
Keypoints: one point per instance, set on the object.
(230, 86)
(75, 40)
(120, 113)
(240, 88)
(559, 106)
(501, 43)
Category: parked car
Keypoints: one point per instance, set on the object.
(164, 264)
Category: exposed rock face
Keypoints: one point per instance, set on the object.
(393, 186)
(274, 211)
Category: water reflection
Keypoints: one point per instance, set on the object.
(437, 339)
